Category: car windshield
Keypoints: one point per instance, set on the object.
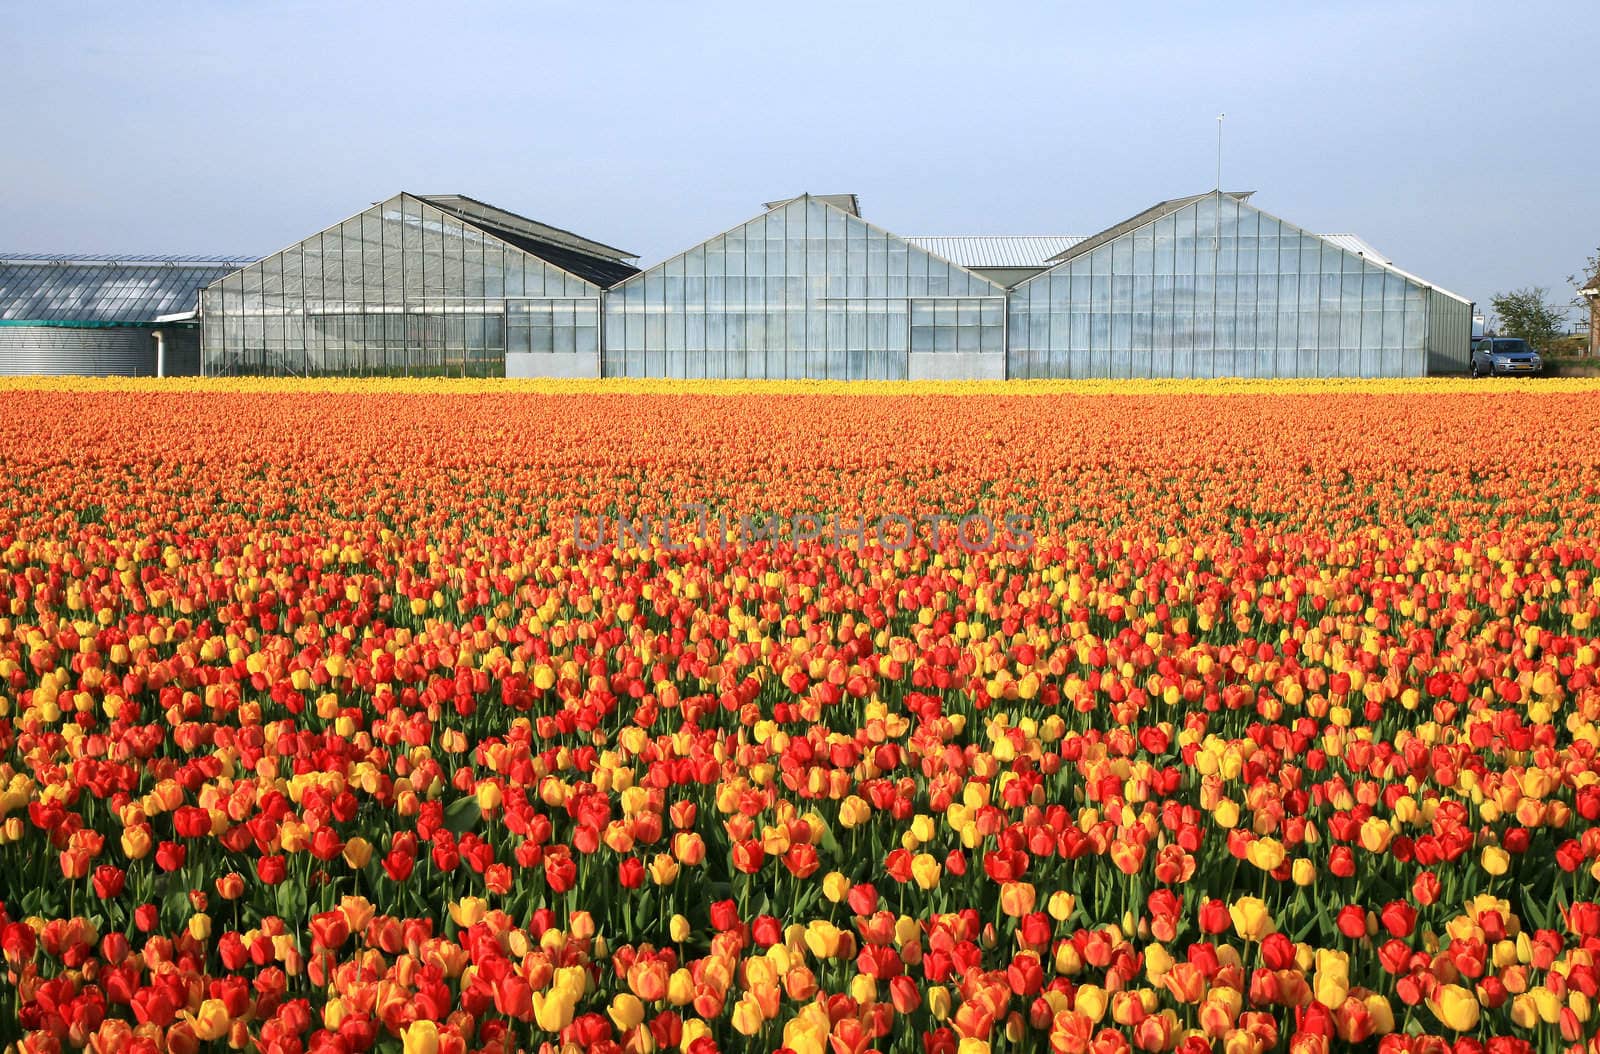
(1511, 347)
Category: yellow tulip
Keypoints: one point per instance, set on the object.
(678, 928)
(488, 795)
(1455, 1007)
(553, 1010)
(1250, 917)
(1381, 1012)
(1376, 834)
(854, 811)
(1090, 1000)
(420, 1037)
(357, 851)
(136, 842)
(747, 1019)
(211, 1021)
(823, 939)
(663, 869)
(468, 911)
(1547, 1003)
(1332, 984)
(1266, 853)
(806, 1033)
(626, 1011)
(1157, 961)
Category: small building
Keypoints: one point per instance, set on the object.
(418, 285)
(102, 315)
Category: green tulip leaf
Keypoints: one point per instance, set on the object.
(462, 815)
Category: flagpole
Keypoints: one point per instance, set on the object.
(1220, 116)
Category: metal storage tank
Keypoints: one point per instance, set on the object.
(101, 316)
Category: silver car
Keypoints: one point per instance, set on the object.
(1505, 357)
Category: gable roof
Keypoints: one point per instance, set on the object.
(1150, 215)
(1035, 250)
(593, 261)
(1350, 243)
(844, 202)
(822, 200)
(997, 250)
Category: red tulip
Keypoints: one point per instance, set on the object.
(272, 869)
(1352, 921)
(1399, 918)
(170, 856)
(109, 881)
(748, 857)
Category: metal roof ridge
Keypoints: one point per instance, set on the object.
(995, 236)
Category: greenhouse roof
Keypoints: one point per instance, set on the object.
(604, 265)
(40, 287)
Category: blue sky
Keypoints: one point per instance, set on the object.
(1457, 138)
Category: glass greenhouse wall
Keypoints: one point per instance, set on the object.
(1217, 288)
(807, 290)
(403, 288)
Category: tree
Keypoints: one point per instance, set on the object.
(1524, 313)
(1587, 275)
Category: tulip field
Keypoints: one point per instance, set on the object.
(437, 717)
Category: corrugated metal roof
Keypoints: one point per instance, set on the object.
(68, 289)
(1354, 243)
(997, 250)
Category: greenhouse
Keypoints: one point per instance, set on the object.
(438, 285)
(1202, 286)
(1210, 286)
(102, 315)
(806, 290)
